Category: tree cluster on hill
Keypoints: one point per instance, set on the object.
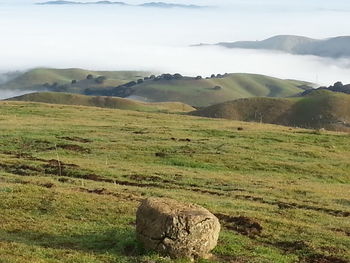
(56, 87)
(336, 87)
(65, 87)
(217, 76)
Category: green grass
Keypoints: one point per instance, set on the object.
(102, 102)
(295, 183)
(317, 110)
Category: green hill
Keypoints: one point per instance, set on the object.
(46, 78)
(164, 88)
(72, 177)
(319, 109)
(208, 91)
(102, 102)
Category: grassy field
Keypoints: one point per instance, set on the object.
(319, 109)
(71, 179)
(103, 102)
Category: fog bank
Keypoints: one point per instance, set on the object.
(135, 38)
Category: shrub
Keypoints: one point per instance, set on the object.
(89, 76)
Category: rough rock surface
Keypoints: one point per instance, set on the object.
(175, 229)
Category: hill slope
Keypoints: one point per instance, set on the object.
(333, 47)
(71, 179)
(102, 102)
(61, 79)
(319, 109)
(206, 91)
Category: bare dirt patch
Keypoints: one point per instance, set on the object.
(77, 139)
(73, 148)
(317, 258)
(241, 224)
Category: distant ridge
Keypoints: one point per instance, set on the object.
(335, 47)
(81, 3)
(150, 4)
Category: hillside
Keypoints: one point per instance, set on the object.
(72, 177)
(318, 109)
(331, 47)
(205, 91)
(102, 102)
(43, 79)
(144, 86)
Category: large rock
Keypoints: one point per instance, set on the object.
(175, 229)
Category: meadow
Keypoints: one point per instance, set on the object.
(71, 178)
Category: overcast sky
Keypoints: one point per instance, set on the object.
(118, 38)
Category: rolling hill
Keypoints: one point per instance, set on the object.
(331, 47)
(102, 102)
(43, 79)
(195, 91)
(201, 92)
(318, 109)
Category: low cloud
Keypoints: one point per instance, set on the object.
(5, 94)
(131, 38)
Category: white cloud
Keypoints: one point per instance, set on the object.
(103, 37)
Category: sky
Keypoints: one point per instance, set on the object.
(134, 38)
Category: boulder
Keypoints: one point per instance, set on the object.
(176, 229)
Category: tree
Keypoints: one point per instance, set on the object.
(338, 85)
(177, 76)
(100, 79)
(167, 76)
(89, 76)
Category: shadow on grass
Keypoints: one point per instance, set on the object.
(113, 241)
